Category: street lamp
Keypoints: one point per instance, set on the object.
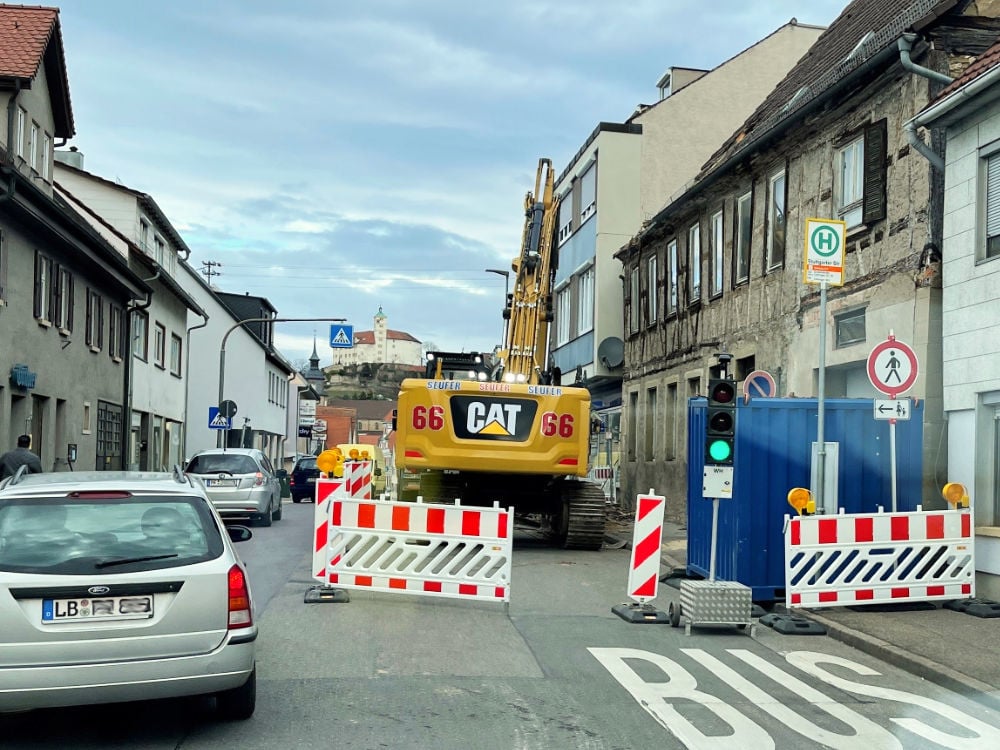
(237, 324)
(506, 293)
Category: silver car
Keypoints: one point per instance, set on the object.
(241, 483)
(121, 586)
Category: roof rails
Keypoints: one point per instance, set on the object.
(18, 475)
(180, 476)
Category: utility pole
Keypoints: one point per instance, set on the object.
(208, 270)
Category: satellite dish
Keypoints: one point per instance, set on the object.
(611, 352)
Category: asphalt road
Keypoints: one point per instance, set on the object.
(554, 669)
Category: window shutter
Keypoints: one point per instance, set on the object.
(89, 337)
(55, 294)
(874, 198)
(993, 196)
(69, 300)
(100, 321)
(38, 285)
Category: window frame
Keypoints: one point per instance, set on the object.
(116, 333)
(588, 207)
(672, 290)
(94, 332)
(634, 301)
(33, 146)
(42, 299)
(176, 360)
(22, 124)
(983, 252)
(140, 326)
(159, 345)
(63, 311)
(585, 301)
(652, 290)
(847, 316)
(563, 300)
(775, 253)
(717, 223)
(565, 227)
(694, 263)
(742, 245)
(850, 208)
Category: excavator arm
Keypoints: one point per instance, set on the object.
(529, 308)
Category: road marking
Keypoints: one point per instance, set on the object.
(681, 687)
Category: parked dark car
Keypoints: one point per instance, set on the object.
(303, 479)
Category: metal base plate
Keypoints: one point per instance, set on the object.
(640, 613)
(326, 595)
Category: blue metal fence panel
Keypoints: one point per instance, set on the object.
(774, 438)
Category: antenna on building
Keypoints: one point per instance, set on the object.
(208, 269)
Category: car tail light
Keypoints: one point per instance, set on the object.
(258, 480)
(240, 614)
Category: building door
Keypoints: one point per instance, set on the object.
(109, 436)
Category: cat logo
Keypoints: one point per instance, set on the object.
(485, 418)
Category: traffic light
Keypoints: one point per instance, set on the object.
(720, 431)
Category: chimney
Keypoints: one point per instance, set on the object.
(73, 157)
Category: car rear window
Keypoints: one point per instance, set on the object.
(305, 463)
(84, 536)
(216, 463)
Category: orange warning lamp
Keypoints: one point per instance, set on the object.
(331, 461)
(354, 454)
(802, 500)
(956, 494)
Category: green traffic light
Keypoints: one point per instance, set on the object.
(720, 450)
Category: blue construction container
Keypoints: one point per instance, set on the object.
(774, 438)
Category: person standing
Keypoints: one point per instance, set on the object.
(20, 456)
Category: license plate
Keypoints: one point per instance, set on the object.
(97, 608)
(222, 482)
(310, 480)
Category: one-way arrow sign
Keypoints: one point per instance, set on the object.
(892, 408)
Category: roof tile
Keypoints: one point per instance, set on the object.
(24, 34)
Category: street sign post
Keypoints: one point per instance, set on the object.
(892, 369)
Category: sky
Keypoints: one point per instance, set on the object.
(341, 157)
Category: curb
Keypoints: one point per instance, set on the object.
(967, 687)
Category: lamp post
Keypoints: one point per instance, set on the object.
(506, 293)
(237, 324)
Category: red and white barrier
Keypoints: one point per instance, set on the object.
(358, 475)
(325, 489)
(644, 567)
(455, 551)
(867, 558)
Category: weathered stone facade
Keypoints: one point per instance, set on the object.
(768, 317)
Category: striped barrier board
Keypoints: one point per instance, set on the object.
(644, 566)
(870, 558)
(427, 549)
(325, 489)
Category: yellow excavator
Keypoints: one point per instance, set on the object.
(507, 431)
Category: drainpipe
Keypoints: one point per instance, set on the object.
(905, 44)
(127, 427)
(187, 381)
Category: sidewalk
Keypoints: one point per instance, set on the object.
(953, 649)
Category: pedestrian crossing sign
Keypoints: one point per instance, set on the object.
(341, 336)
(216, 420)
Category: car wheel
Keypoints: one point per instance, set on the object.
(264, 519)
(239, 703)
(277, 511)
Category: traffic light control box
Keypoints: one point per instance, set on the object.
(770, 454)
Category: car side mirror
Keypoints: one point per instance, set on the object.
(239, 533)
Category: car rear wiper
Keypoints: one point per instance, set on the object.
(126, 560)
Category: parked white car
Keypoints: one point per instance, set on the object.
(121, 586)
(241, 483)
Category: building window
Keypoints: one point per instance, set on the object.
(672, 270)
(717, 253)
(776, 220)
(64, 301)
(670, 424)
(633, 307)
(851, 186)
(588, 193)
(33, 146)
(175, 354)
(144, 236)
(694, 262)
(46, 156)
(585, 303)
(160, 345)
(652, 289)
(87, 416)
(565, 217)
(850, 327)
(43, 288)
(649, 452)
(95, 320)
(140, 335)
(160, 251)
(633, 425)
(562, 315)
(116, 333)
(22, 123)
(990, 247)
(744, 233)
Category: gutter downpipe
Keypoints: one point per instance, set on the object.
(129, 369)
(905, 45)
(187, 381)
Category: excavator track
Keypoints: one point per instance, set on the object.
(582, 524)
